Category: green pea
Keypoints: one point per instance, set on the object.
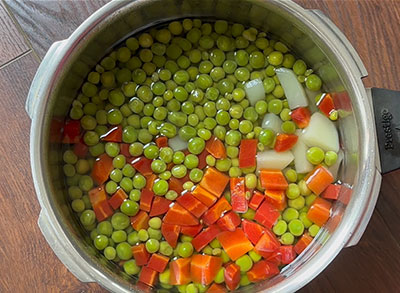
(280, 228)
(290, 214)
(124, 251)
(288, 127)
(120, 221)
(275, 58)
(116, 175)
(315, 155)
(171, 195)
(112, 149)
(313, 82)
(160, 187)
(191, 161)
(255, 256)
(245, 126)
(293, 191)
(313, 230)
(136, 149)
(87, 217)
(119, 236)
(244, 262)
(78, 205)
(133, 238)
(223, 165)
(233, 138)
(129, 207)
(185, 249)
(111, 187)
(151, 151)
(304, 190)
(287, 238)
(296, 227)
(110, 253)
(100, 242)
(251, 181)
(330, 158)
(297, 203)
(196, 175)
(196, 145)
(179, 171)
(139, 181)
(126, 184)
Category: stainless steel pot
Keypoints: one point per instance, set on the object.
(311, 35)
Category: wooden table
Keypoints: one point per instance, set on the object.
(27, 29)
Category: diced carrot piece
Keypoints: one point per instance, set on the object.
(97, 195)
(247, 153)
(146, 199)
(102, 210)
(332, 191)
(202, 159)
(253, 231)
(256, 200)
(102, 168)
(192, 204)
(140, 254)
(150, 181)
(180, 271)
(318, 179)
(232, 276)
(262, 270)
(216, 211)
(140, 221)
(158, 262)
(214, 181)
(162, 141)
(285, 142)
(276, 198)
(216, 148)
(148, 276)
(170, 233)
(267, 215)
(114, 134)
(345, 194)
(175, 185)
(267, 244)
(117, 199)
(204, 268)
(81, 149)
(205, 237)
(160, 206)
(56, 130)
(238, 195)
(191, 231)
(273, 179)
(177, 215)
(302, 243)
(142, 165)
(229, 221)
(275, 257)
(206, 197)
(235, 243)
(124, 149)
(216, 288)
(319, 211)
(326, 104)
(301, 116)
(287, 254)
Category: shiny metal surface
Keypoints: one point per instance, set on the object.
(312, 37)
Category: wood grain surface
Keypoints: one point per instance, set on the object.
(26, 261)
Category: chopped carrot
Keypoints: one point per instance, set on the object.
(229, 221)
(142, 165)
(216, 288)
(146, 199)
(150, 181)
(158, 262)
(235, 243)
(301, 116)
(319, 211)
(318, 179)
(191, 231)
(232, 276)
(256, 200)
(285, 142)
(102, 210)
(326, 105)
(114, 134)
(273, 179)
(97, 195)
(204, 268)
(124, 149)
(81, 149)
(102, 168)
(267, 215)
(205, 237)
(162, 141)
(175, 185)
(332, 191)
(287, 254)
(262, 270)
(160, 206)
(216, 148)
(214, 181)
(180, 271)
(238, 195)
(148, 276)
(140, 221)
(206, 197)
(170, 233)
(202, 159)
(216, 211)
(117, 199)
(71, 132)
(267, 244)
(192, 204)
(247, 153)
(276, 198)
(140, 254)
(302, 243)
(253, 231)
(177, 215)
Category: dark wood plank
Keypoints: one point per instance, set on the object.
(57, 19)
(12, 42)
(26, 261)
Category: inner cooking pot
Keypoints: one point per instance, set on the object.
(309, 34)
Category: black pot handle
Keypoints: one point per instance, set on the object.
(386, 104)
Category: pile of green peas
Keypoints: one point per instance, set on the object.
(185, 79)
